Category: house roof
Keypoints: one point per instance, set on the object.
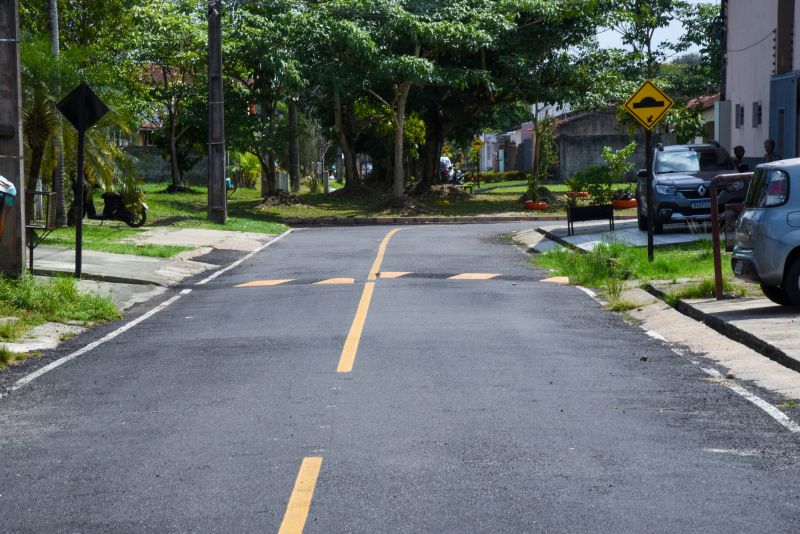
(703, 103)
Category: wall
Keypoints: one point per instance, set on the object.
(750, 66)
(12, 245)
(155, 168)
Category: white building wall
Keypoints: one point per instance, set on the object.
(751, 33)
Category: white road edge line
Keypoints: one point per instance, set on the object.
(771, 410)
(91, 346)
(588, 292)
(242, 260)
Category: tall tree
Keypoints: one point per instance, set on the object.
(168, 45)
(264, 71)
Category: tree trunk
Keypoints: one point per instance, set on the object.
(294, 149)
(172, 140)
(58, 137)
(398, 185)
(263, 160)
(344, 144)
(272, 182)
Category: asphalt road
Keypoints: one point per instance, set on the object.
(473, 405)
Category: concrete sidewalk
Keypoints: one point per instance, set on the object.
(165, 272)
(589, 235)
(756, 322)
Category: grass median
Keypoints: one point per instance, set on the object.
(28, 302)
(686, 270)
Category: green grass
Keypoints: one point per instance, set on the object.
(188, 210)
(35, 302)
(689, 260)
(700, 290)
(108, 238)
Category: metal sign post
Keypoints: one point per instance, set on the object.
(83, 109)
(649, 105)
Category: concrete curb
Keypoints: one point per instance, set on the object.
(731, 331)
(553, 237)
(99, 278)
(374, 221)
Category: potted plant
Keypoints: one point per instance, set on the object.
(597, 181)
(624, 199)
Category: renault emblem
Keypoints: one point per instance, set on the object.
(702, 190)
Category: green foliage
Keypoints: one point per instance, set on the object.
(687, 123)
(599, 180)
(245, 169)
(626, 262)
(704, 289)
(53, 300)
(496, 177)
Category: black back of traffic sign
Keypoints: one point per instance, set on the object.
(82, 108)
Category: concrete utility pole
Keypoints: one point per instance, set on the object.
(12, 245)
(217, 199)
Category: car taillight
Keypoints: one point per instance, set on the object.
(777, 190)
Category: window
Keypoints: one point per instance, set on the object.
(739, 115)
(693, 161)
(756, 114)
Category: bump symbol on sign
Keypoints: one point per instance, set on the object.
(648, 105)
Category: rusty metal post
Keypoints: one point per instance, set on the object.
(718, 289)
(722, 179)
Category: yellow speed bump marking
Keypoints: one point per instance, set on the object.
(294, 520)
(563, 280)
(474, 276)
(265, 283)
(334, 281)
(390, 276)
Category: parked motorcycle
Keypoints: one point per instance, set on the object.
(114, 209)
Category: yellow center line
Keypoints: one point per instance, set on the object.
(474, 276)
(376, 267)
(350, 349)
(332, 281)
(294, 520)
(354, 336)
(265, 283)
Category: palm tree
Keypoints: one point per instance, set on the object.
(58, 135)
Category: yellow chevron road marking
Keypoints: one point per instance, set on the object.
(474, 276)
(265, 283)
(390, 275)
(563, 280)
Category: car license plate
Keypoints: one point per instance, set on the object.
(701, 204)
(738, 267)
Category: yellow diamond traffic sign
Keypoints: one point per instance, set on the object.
(477, 144)
(649, 105)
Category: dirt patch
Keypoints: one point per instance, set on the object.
(355, 192)
(283, 198)
(447, 192)
(408, 207)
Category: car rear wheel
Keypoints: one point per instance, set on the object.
(776, 295)
(791, 283)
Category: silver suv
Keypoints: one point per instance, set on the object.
(682, 176)
(768, 232)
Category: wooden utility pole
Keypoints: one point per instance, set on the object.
(217, 199)
(12, 244)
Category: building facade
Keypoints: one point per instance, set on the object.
(762, 67)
